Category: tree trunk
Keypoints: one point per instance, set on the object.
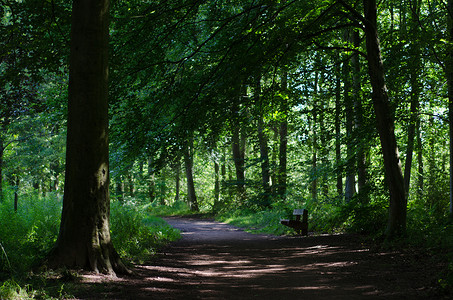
(420, 180)
(323, 137)
(16, 192)
(2, 149)
(349, 190)
(358, 119)
(415, 94)
(264, 152)
(177, 181)
(283, 132)
(314, 161)
(84, 238)
(385, 125)
(216, 185)
(338, 108)
(238, 149)
(449, 75)
(188, 161)
(151, 180)
(130, 181)
(163, 189)
(120, 188)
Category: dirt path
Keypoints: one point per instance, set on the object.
(217, 261)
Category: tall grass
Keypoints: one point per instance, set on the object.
(26, 236)
(136, 234)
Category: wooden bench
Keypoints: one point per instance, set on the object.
(301, 226)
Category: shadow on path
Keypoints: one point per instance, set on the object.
(218, 261)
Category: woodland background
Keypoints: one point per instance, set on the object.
(244, 109)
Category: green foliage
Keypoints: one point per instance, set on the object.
(137, 235)
(11, 290)
(28, 234)
(266, 221)
(176, 208)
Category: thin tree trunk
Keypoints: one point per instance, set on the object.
(449, 75)
(264, 152)
(84, 238)
(385, 125)
(323, 137)
(216, 185)
(338, 108)
(130, 181)
(238, 149)
(358, 119)
(2, 149)
(177, 180)
(420, 183)
(349, 111)
(283, 132)
(16, 192)
(151, 180)
(120, 188)
(188, 161)
(314, 162)
(415, 94)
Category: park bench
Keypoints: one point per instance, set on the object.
(301, 226)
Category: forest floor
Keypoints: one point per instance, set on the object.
(218, 261)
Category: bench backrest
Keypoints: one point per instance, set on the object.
(298, 212)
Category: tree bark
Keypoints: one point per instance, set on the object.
(449, 75)
(216, 185)
(84, 237)
(349, 191)
(314, 161)
(2, 149)
(238, 149)
(415, 94)
(177, 180)
(385, 125)
(188, 161)
(151, 180)
(338, 108)
(283, 132)
(358, 120)
(264, 151)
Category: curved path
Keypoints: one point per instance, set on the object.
(218, 261)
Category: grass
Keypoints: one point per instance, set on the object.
(26, 236)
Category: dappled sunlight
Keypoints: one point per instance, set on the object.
(217, 261)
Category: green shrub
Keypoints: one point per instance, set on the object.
(176, 208)
(27, 235)
(11, 290)
(135, 234)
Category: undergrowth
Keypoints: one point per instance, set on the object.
(26, 236)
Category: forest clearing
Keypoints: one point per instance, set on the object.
(114, 114)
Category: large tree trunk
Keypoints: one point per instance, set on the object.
(84, 238)
(188, 161)
(385, 124)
